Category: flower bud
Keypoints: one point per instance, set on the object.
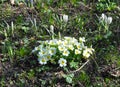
(109, 20)
(52, 28)
(65, 18)
(103, 17)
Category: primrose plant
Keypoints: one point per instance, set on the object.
(62, 51)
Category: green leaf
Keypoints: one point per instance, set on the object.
(109, 33)
(69, 79)
(74, 64)
(23, 51)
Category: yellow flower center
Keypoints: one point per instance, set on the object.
(43, 52)
(52, 51)
(48, 57)
(78, 46)
(62, 62)
(43, 60)
(65, 52)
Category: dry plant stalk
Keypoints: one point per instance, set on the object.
(80, 67)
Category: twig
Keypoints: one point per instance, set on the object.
(80, 67)
(81, 85)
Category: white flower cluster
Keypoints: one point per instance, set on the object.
(107, 20)
(61, 50)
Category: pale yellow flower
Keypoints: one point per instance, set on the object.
(42, 52)
(48, 57)
(61, 48)
(52, 51)
(77, 51)
(42, 61)
(65, 43)
(52, 42)
(59, 42)
(78, 45)
(82, 39)
(66, 52)
(74, 41)
(71, 47)
(62, 62)
(86, 54)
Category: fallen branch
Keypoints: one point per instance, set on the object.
(80, 67)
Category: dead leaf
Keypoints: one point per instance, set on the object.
(115, 73)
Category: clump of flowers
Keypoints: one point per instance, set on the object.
(62, 51)
(107, 20)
